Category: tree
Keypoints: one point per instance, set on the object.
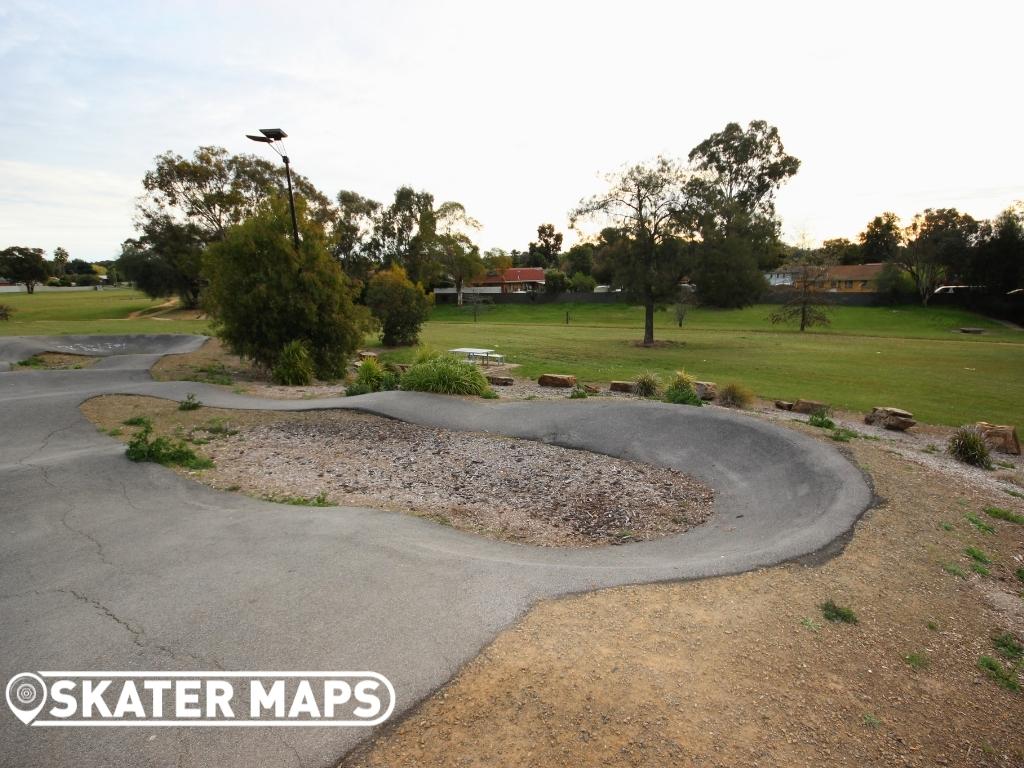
(263, 294)
(882, 239)
(166, 261)
(726, 274)
(809, 305)
(60, 261)
(215, 190)
(497, 260)
(579, 258)
(353, 234)
(998, 258)
(939, 242)
(78, 267)
(582, 283)
(555, 281)
(732, 197)
(400, 306)
(23, 265)
(546, 250)
(840, 250)
(644, 200)
(460, 260)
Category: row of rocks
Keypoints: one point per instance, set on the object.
(706, 390)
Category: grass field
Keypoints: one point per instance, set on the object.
(114, 310)
(908, 357)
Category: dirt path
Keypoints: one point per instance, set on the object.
(745, 671)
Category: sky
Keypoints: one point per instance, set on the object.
(515, 110)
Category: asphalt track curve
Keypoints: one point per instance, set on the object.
(108, 565)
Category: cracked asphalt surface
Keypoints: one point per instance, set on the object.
(110, 565)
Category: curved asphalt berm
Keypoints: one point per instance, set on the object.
(109, 565)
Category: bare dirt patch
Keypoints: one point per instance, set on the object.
(517, 490)
(214, 364)
(746, 671)
(55, 361)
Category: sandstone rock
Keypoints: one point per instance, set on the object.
(365, 355)
(591, 389)
(556, 380)
(621, 386)
(706, 390)
(889, 417)
(1000, 437)
(808, 406)
(784, 405)
(500, 381)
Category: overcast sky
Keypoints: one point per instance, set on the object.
(512, 109)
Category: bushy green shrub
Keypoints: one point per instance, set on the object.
(446, 375)
(6, 310)
(578, 393)
(646, 384)
(821, 420)
(968, 445)
(735, 395)
(372, 377)
(682, 391)
(190, 403)
(294, 366)
(400, 306)
(163, 451)
(263, 293)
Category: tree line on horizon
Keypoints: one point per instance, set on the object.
(709, 218)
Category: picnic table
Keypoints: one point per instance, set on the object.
(477, 355)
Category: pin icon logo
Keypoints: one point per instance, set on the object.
(26, 695)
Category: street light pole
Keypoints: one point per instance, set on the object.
(271, 136)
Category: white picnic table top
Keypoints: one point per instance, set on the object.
(471, 351)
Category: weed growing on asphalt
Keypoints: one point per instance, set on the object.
(1004, 514)
(32, 362)
(837, 613)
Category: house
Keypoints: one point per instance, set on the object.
(842, 278)
(511, 280)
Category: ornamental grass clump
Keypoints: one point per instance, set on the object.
(646, 385)
(735, 395)
(372, 377)
(682, 390)
(968, 446)
(445, 375)
(294, 366)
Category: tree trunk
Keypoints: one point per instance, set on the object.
(30, 287)
(648, 323)
(458, 292)
(803, 316)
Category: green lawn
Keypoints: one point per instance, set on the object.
(909, 357)
(55, 313)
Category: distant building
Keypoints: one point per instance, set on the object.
(842, 278)
(511, 280)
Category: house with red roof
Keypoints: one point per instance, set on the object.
(511, 280)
